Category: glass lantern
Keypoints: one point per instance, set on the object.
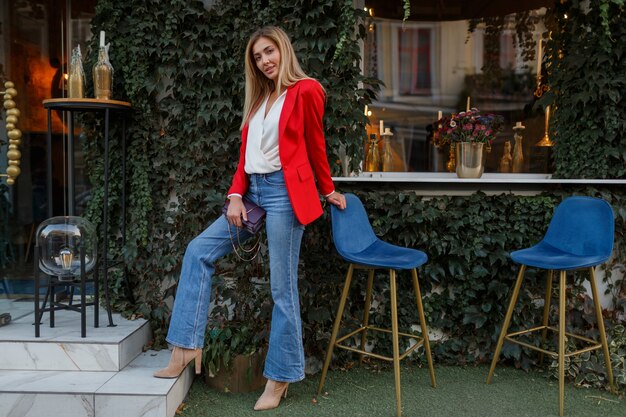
(60, 240)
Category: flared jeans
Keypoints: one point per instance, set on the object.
(285, 356)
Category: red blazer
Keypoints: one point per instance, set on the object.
(302, 150)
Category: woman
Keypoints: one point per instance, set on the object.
(282, 147)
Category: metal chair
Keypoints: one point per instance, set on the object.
(580, 236)
(356, 242)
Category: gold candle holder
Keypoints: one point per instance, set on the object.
(545, 141)
(452, 160)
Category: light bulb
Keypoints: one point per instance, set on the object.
(66, 256)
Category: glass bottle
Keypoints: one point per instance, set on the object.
(103, 75)
(518, 153)
(372, 161)
(76, 79)
(387, 157)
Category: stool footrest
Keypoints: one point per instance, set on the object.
(419, 342)
(593, 343)
(62, 306)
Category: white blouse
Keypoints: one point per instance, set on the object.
(262, 155)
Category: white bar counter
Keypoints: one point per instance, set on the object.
(446, 183)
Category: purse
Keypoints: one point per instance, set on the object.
(256, 219)
(256, 216)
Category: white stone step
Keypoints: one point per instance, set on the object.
(62, 349)
(135, 392)
(131, 392)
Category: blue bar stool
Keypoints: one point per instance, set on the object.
(356, 242)
(580, 236)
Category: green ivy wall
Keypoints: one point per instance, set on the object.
(181, 66)
(586, 69)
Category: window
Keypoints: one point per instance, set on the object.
(432, 67)
(414, 64)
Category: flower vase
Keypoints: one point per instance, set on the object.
(76, 78)
(470, 159)
(103, 75)
(387, 154)
(372, 160)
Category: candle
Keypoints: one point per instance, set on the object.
(468, 104)
(539, 57)
(382, 127)
(365, 113)
(439, 115)
(101, 39)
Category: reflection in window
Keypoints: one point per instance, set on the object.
(35, 39)
(432, 67)
(414, 66)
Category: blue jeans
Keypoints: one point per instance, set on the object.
(285, 356)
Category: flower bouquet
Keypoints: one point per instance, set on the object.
(468, 134)
(467, 126)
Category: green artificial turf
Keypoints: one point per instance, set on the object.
(460, 392)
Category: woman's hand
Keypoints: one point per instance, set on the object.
(337, 199)
(236, 211)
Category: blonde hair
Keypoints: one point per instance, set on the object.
(257, 84)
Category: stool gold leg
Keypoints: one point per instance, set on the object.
(605, 345)
(507, 321)
(333, 337)
(546, 310)
(562, 292)
(396, 346)
(366, 311)
(420, 311)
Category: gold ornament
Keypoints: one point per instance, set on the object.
(14, 134)
(13, 171)
(14, 154)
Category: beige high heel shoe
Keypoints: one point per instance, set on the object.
(273, 393)
(178, 362)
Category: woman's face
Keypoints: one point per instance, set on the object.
(267, 57)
